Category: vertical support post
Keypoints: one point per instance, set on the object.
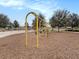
(37, 31)
(47, 32)
(26, 30)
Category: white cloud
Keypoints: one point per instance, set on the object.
(19, 4)
(44, 6)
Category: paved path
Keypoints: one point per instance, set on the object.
(8, 33)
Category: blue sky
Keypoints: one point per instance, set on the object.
(17, 9)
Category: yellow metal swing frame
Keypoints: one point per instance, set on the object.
(26, 30)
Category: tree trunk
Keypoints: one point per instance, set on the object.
(72, 28)
(65, 26)
(58, 29)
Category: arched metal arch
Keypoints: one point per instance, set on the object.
(26, 30)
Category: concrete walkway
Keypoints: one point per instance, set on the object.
(8, 33)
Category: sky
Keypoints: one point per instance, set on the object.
(18, 9)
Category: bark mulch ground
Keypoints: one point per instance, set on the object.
(63, 45)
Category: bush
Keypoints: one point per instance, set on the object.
(70, 29)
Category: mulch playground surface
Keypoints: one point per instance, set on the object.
(63, 45)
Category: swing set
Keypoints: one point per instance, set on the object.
(26, 30)
(26, 26)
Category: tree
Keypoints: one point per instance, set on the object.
(4, 21)
(41, 22)
(16, 24)
(73, 20)
(59, 19)
(65, 18)
(29, 27)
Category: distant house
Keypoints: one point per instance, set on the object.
(47, 27)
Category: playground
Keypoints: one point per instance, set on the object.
(39, 29)
(37, 44)
(62, 45)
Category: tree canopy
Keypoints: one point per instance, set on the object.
(59, 18)
(41, 22)
(63, 18)
(4, 21)
(16, 24)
